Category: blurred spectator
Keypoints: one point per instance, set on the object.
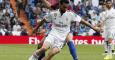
(24, 32)
(31, 2)
(1, 14)
(28, 9)
(95, 3)
(16, 30)
(9, 24)
(3, 30)
(19, 5)
(13, 21)
(74, 28)
(32, 17)
(76, 2)
(8, 33)
(25, 2)
(0, 34)
(1, 1)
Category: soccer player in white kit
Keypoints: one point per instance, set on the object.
(108, 20)
(102, 17)
(61, 20)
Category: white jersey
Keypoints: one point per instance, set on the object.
(61, 24)
(108, 17)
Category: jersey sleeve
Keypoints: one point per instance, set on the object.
(75, 17)
(48, 17)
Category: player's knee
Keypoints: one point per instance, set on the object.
(55, 51)
(109, 41)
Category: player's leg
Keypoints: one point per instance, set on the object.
(105, 42)
(110, 45)
(109, 38)
(44, 47)
(105, 47)
(39, 52)
(39, 46)
(113, 46)
(71, 46)
(56, 46)
(113, 49)
(109, 49)
(52, 53)
(41, 43)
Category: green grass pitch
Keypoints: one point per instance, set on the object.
(22, 52)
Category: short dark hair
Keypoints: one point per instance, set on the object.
(64, 1)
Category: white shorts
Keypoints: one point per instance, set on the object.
(55, 40)
(109, 34)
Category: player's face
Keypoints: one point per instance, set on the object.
(64, 6)
(109, 4)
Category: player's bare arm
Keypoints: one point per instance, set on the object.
(39, 24)
(91, 26)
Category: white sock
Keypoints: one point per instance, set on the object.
(112, 46)
(109, 49)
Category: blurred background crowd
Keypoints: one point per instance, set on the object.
(35, 10)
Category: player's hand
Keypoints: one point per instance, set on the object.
(101, 30)
(98, 29)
